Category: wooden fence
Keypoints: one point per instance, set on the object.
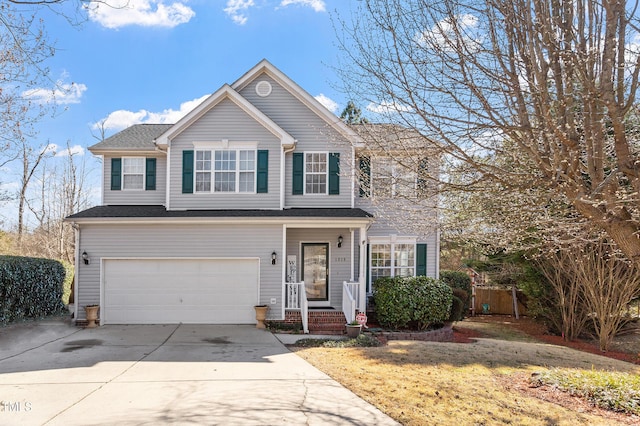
(498, 301)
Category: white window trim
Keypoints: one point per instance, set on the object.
(144, 174)
(392, 240)
(304, 174)
(237, 147)
(393, 190)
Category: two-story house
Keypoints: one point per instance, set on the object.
(251, 198)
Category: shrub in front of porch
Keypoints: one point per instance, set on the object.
(415, 302)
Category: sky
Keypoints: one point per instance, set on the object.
(151, 61)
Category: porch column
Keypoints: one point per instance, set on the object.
(362, 276)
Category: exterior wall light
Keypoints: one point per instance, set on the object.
(85, 257)
(340, 239)
(274, 257)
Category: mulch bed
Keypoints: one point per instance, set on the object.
(538, 332)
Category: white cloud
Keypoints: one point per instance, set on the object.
(447, 32)
(386, 107)
(328, 103)
(121, 119)
(145, 13)
(62, 94)
(66, 151)
(317, 5)
(236, 8)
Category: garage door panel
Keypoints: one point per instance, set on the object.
(166, 291)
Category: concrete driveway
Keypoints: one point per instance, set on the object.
(56, 374)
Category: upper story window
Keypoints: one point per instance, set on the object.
(388, 178)
(225, 171)
(315, 176)
(133, 174)
(225, 167)
(316, 173)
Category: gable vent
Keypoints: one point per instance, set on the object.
(263, 88)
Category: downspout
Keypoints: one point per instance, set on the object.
(76, 230)
(283, 156)
(167, 174)
(102, 181)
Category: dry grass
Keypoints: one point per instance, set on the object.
(421, 383)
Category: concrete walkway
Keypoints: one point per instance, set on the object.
(56, 374)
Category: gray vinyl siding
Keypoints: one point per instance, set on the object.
(312, 134)
(386, 224)
(225, 121)
(177, 240)
(141, 197)
(339, 258)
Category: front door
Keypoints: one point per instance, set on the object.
(315, 271)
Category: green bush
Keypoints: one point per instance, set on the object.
(30, 288)
(460, 298)
(68, 282)
(462, 281)
(419, 301)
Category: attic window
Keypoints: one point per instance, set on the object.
(263, 89)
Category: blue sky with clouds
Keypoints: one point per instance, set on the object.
(151, 61)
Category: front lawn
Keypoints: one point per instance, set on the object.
(490, 382)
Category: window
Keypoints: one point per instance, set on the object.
(133, 173)
(315, 166)
(389, 178)
(392, 260)
(229, 171)
(203, 171)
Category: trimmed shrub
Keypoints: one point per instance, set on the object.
(401, 302)
(30, 288)
(458, 279)
(458, 304)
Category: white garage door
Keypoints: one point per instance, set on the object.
(171, 291)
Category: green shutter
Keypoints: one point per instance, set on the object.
(187, 172)
(150, 178)
(334, 173)
(423, 169)
(421, 259)
(116, 174)
(262, 186)
(298, 173)
(365, 176)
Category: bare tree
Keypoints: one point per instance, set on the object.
(608, 285)
(547, 86)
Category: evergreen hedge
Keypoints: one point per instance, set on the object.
(403, 302)
(30, 288)
(459, 280)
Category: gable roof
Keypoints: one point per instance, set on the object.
(225, 92)
(138, 137)
(302, 95)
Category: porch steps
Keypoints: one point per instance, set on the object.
(321, 321)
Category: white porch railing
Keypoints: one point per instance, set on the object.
(350, 296)
(297, 299)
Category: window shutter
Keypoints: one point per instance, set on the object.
(187, 172)
(365, 176)
(262, 186)
(116, 174)
(421, 259)
(298, 173)
(334, 173)
(423, 168)
(150, 178)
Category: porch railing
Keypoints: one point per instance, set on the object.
(296, 294)
(350, 295)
